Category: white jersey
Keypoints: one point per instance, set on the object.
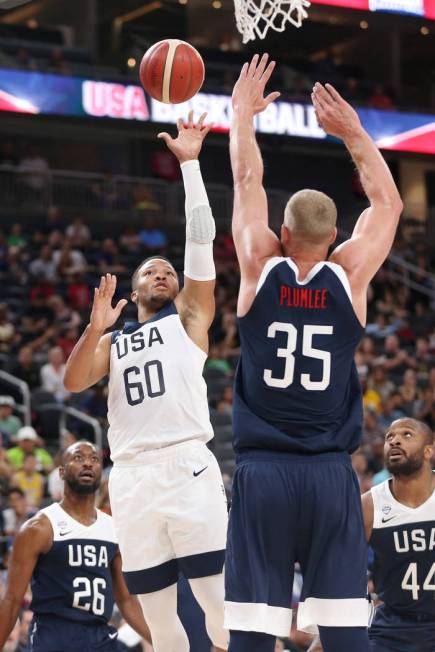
(403, 543)
(65, 527)
(157, 393)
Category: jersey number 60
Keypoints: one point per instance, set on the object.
(154, 382)
(307, 350)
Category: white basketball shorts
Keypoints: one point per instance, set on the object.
(170, 514)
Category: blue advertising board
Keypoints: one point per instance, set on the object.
(46, 94)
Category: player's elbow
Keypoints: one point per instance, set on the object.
(396, 209)
(395, 203)
(72, 384)
(390, 204)
(398, 205)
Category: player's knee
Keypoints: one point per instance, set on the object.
(214, 622)
(219, 636)
(209, 593)
(170, 638)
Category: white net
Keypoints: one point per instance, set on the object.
(255, 17)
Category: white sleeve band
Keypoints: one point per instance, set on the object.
(200, 226)
(196, 194)
(198, 261)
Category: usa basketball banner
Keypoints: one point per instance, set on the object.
(39, 93)
(422, 8)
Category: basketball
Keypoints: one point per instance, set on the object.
(172, 71)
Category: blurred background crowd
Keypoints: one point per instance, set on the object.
(83, 196)
(47, 275)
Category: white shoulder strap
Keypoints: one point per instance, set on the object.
(270, 264)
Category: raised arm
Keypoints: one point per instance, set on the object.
(33, 539)
(89, 360)
(363, 254)
(196, 300)
(255, 242)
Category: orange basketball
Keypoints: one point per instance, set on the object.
(172, 71)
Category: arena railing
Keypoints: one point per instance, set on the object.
(85, 418)
(29, 192)
(114, 197)
(402, 270)
(23, 388)
(65, 410)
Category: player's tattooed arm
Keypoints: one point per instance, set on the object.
(255, 242)
(89, 360)
(371, 241)
(128, 604)
(34, 538)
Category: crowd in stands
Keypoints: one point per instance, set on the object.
(47, 273)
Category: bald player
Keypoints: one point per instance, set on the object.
(69, 554)
(399, 518)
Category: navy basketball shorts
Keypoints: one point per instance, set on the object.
(392, 632)
(55, 634)
(288, 509)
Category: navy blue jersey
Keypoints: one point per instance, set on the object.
(403, 541)
(296, 386)
(73, 580)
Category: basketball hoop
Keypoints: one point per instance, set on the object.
(255, 17)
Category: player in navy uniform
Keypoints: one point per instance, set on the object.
(297, 403)
(399, 517)
(69, 553)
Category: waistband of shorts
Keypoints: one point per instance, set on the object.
(160, 454)
(408, 616)
(287, 457)
(62, 621)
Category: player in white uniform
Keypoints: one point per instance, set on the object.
(166, 491)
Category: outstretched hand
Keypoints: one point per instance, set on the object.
(103, 315)
(248, 92)
(188, 143)
(334, 114)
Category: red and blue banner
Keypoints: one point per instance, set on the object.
(422, 8)
(39, 93)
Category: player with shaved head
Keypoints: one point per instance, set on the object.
(399, 517)
(69, 554)
(297, 400)
(166, 492)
